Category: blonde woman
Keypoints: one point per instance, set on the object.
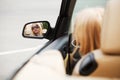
(87, 28)
(36, 29)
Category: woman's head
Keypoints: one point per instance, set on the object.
(87, 29)
(36, 29)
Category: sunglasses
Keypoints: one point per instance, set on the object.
(74, 44)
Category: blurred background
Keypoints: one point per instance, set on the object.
(15, 13)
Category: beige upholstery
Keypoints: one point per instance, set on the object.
(48, 66)
(108, 65)
(108, 57)
(42, 67)
(110, 38)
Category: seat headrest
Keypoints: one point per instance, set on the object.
(110, 34)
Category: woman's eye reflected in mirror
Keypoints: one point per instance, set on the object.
(36, 29)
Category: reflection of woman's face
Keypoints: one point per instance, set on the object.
(36, 30)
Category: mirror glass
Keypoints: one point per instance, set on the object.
(36, 29)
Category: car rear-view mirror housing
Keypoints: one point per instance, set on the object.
(37, 29)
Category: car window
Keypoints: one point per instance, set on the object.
(81, 4)
(15, 13)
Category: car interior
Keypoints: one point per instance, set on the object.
(101, 64)
(104, 62)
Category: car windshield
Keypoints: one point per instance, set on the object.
(15, 13)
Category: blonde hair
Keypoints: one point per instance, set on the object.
(87, 29)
